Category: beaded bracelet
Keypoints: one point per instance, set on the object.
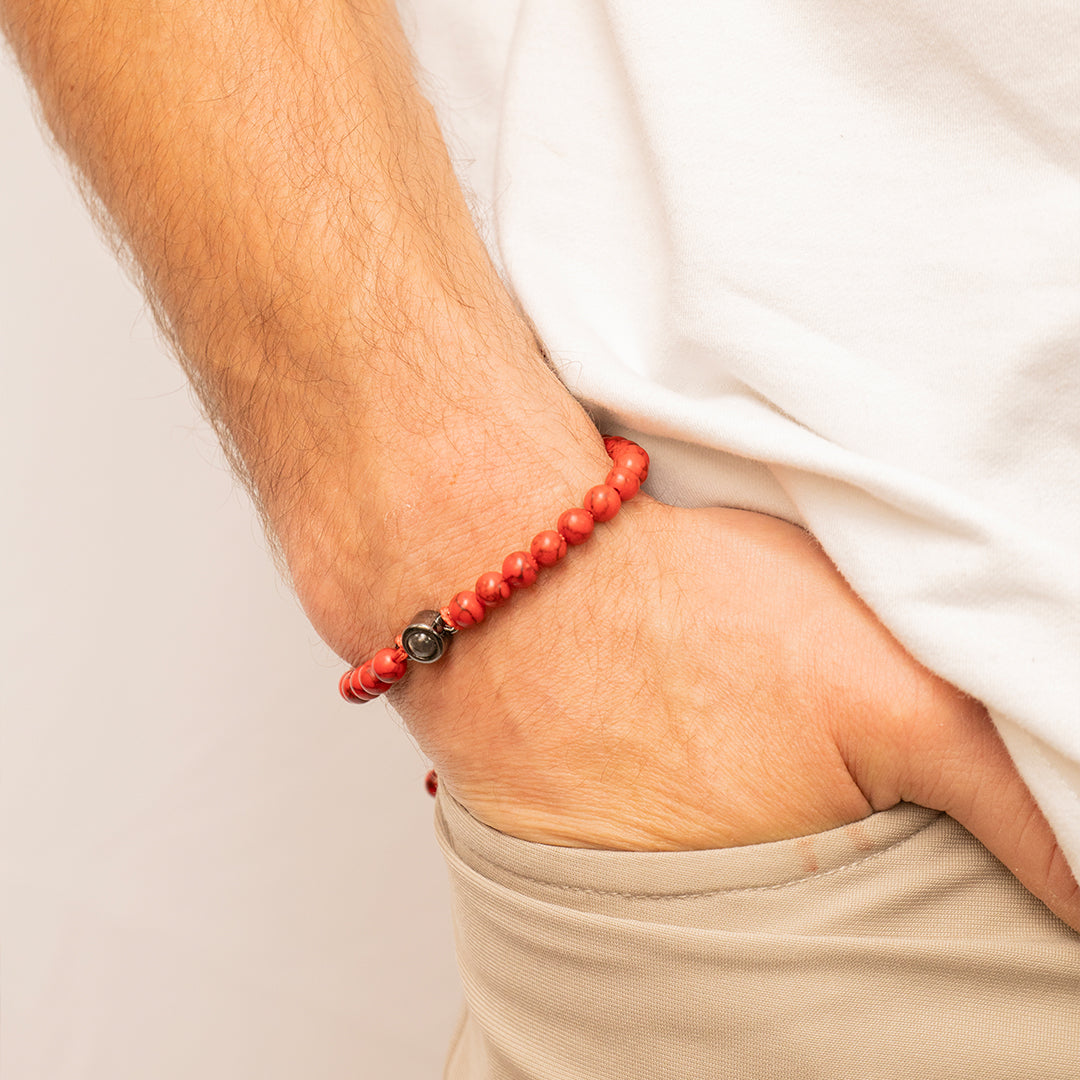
(426, 637)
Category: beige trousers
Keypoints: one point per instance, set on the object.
(895, 947)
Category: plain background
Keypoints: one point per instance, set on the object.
(211, 867)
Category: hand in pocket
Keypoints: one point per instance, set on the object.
(706, 678)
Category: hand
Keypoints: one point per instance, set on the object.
(706, 678)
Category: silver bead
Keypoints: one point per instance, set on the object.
(426, 637)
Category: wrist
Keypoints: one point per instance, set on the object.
(386, 525)
(426, 637)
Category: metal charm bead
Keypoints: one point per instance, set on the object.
(426, 637)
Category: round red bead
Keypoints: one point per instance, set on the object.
(492, 589)
(466, 610)
(575, 525)
(632, 459)
(369, 681)
(624, 482)
(547, 547)
(431, 782)
(614, 443)
(602, 502)
(345, 686)
(520, 569)
(388, 666)
(357, 688)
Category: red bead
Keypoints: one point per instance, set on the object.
(576, 525)
(345, 687)
(359, 693)
(492, 589)
(388, 666)
(614, 443)
(632, 459)
(602, 502)
(369, 682)
(624, 482)
(431, 782)
(466, 610)
(547, 547)
(520, 569)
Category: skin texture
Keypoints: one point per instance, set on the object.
(281, 187)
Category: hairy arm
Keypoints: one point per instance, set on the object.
(282, 187)
(284, 191)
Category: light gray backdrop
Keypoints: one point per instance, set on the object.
(211, 867)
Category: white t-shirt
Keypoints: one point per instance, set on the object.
(825, 261)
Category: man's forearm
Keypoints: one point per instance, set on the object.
(285, 191)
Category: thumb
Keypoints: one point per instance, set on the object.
(967, 772)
